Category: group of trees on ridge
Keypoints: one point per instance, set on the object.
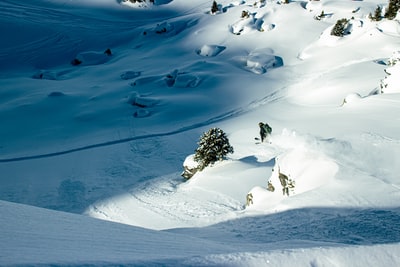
(390, 12)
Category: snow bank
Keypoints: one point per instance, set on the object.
(306, 169)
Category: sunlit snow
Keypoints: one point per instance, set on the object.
(102, 104)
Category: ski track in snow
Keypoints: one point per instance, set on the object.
(222, 117)
(161, 197)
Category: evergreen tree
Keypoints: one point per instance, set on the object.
(377, 14)
(391, 11)
(213, 146)
(214, 7)
(340, 27)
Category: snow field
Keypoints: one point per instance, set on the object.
(107, 138)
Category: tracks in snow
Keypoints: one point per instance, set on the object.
(230, 114)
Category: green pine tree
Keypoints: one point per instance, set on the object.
(340, 27)
(213, 146)
(214, 7)
(377, 14)
(392, 9)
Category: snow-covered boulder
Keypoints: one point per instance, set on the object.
(190, 167)
(259, 63)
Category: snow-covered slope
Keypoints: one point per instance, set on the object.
(38, 237)
(104, 133)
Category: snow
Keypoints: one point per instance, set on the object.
(91, 155)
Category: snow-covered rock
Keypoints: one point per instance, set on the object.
(190, 167)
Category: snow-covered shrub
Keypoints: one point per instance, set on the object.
(394, 59)
(340, 28)
(390, 84)
(213, 146)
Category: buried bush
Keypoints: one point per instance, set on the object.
(213, 146)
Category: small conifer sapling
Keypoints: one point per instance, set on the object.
(214, 7)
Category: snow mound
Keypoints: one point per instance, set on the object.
(190, 162)
(144, 3)
(147, 80)
(182, 80)
(259, 62)
(141, 113)
(168, 28)
(186, 80)
(52, 75)
(248, 25)
(210, 50)
(56, 94)
(142, 101)
(352, 98)
(46, 75)
(92, 58)
(128, 75)
(306, 168)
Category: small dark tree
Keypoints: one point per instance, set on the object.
(245, 14)
(340, 27)
(320, 16)
(213, 146)
(377, 14)
(214, 7)
(391, 10)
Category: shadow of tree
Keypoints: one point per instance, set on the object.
(253, 160)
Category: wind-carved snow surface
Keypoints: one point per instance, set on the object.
(107, 138)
